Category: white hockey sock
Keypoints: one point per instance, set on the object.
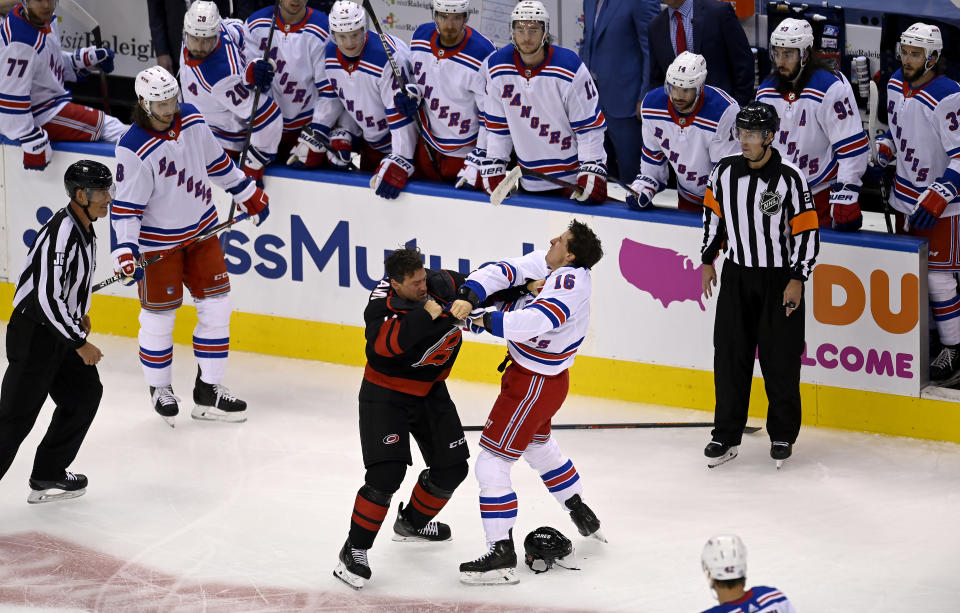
(945, 304)
(156, 346)
(498, 501)
(211, 337)
(556, 470)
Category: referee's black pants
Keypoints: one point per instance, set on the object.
(40, 363)
(751, 320)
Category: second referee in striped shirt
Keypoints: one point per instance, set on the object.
(759, 211)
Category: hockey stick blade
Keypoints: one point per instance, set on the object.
(629, 426)
(507, 187)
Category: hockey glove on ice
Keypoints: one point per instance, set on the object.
(341, 147)
(260, 74)
(592, 177)
(492, 173)
(37, 152)
(930, 205)
(407, 100)
(309, 152)
(391, 177)
(646, 189)
(845, 208)
(125, 264)
(469, 175)
(886, 150)
(253, 165)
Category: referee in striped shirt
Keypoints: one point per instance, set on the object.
(47, 339)
(759, 212)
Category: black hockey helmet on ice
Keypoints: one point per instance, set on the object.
(758, 116)
(543, 547)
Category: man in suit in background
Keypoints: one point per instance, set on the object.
(708, 28)
(617, 54)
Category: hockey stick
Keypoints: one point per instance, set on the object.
(873, 103)
(94, 28)
(626, 426)
(165, 254)
(399, 77)
(510, 182)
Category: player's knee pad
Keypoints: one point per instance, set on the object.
(157, 324)
(386, 477)
(444, 479)
(492, 471)
(213, 314)
(943, 286)
(544, 457)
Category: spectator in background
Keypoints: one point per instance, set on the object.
(166, 28)
(245, 8)
(617, 54)
(708, 28)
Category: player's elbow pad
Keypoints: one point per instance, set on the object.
(465, 293)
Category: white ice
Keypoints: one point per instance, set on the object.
(230, 517)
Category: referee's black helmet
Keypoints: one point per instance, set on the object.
(758, 116)
(86, 174)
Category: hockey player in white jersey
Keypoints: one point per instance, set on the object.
(820, 128)
(214, 79)
(687, 125)
(34, 106)
(166, 163)
(360, 85)
(447, 57)
(724, 562)
(923, 107)
(542, 103)
(543, 332)
(297, 48)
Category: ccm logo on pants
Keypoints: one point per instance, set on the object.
(462, 441)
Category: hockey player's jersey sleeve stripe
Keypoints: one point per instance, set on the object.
(496, 125)
(267, 113)
(220, 166)
(120, 209)
(591, 123)
(388, 339)
(852, 146)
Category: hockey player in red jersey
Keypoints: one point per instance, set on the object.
(34, 106)
(724, 562)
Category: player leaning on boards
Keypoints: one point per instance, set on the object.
(688, 125)
(543, 332)
(724, 562)
(542, 103)
(34, 106)
(214, 79)
(166, 163)
(820, 128)
(923, 107)
(758, 209)
(48, 346)
(412, 343)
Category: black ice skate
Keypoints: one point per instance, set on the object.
(214, 402)
(780, 451)
(404, 531)
(584, 519)
(353, 568)
(945, 368)
(165, 403)
(718, 453)
(496, 567)
(71, 486)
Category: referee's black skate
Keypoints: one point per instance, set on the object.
(496, 567)
(353, 568)
(780, 451)
(165, 403)
(71, 486)
(214, 402)
(584, 518)
(718, 453)
(404, 531)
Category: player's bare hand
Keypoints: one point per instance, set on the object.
(535, 286)
(460, 309)
(433, 308)
(85, 324)
(792, 295)
(89, 353)
(708, 280)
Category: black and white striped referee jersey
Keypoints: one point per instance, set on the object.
(765, 215)
(55, 285)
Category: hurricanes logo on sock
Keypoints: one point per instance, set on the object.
(390, 439)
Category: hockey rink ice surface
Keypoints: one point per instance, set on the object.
(250, 517)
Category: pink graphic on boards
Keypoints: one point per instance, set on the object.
(663, 273)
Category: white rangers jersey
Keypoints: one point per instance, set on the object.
(925, 128)
(543, 332)
(164, 196)
(548, 114)
(453, 86)
(820, 130)
(215, 85)
(33, 67)
(692, 143)
(298, 51)
(363, 89)
(759, 599)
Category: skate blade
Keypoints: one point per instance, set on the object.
(729, 455)
(402, 538)
(354, 581)
(500, 576)
(204, 413)
(779, 464)
(52, 495)
(170, 420)
(598, 535)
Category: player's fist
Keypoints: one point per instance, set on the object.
(931, 204)
(469, 174)
(886, 150)
(88, 57)
(341, 147)
(592, 177)
(391, 177)
(309, 152)
(37, 152)
(260, 74)
(255, 163)
(407, 100)
(256, 206)
(125, 264)
(492, 173)
(845, 208)
(646, 188)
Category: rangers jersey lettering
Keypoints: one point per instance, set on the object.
(164, 193)
(820, 130)
(759, 599)
(215, 86)
(543, 332)
(692, 143)
(925, 128)
(363, 89)
(33, 67)
(452, 84)
(548, 114)
(298, 51)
